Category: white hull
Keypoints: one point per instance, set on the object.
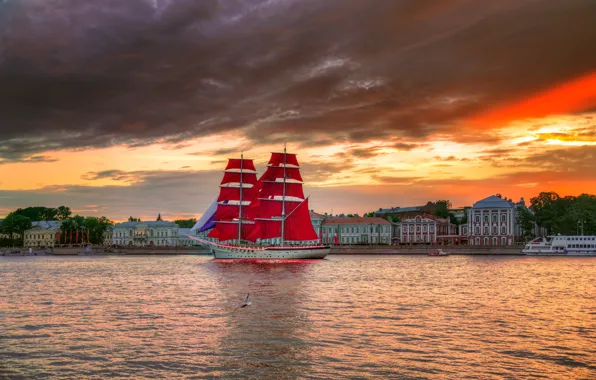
(554, 253)
(275, 253)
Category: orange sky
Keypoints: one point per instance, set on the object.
(394, 104)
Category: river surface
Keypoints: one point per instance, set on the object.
(420, 317)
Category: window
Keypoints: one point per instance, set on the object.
(494, 218)
(477, 219)
(485, 218)
(495, 230)
(503, 230)
(417, 228)
(486, 230)
(477, 230)
(432, 228)
(411, 228)
(425, 227)
(503, 218)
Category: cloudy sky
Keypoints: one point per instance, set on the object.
(122, 108)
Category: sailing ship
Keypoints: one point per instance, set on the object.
(250, 212)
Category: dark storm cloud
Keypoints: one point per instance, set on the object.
(76, 74)
(31, 159)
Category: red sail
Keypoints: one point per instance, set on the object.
(277, 159)
(298, 225)
(233, 194)
(229, 231)
(236, 163)
(273, 173)
(226, 212)
(271, 189)
(269, 208)
(269, 229)
(235, 178)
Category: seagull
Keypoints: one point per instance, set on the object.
(246, 303)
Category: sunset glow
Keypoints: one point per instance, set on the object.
(390, 105)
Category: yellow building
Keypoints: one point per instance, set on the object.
(43, 234)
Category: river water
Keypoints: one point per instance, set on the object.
(345, 317)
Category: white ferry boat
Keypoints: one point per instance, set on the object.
(561, 245)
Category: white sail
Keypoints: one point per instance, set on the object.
(206, 220)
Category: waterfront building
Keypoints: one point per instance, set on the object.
(406, 212)
(395, 233)
(159, 233)
(427, 229)
(108, 236)
(183, 239)
(356, 230)
(492, 221)
(42, 234)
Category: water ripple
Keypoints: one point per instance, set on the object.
(345, 317)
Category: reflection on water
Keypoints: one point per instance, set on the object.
(385, 317)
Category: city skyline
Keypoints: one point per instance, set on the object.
(131, 109)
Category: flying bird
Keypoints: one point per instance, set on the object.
(246, 303)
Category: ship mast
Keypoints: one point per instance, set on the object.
(240, 206)
(283, 200)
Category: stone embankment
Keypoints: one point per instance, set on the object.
(422, 250)
(96, 251)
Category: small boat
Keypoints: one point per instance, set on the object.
(438, 252)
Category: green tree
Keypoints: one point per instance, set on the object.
(442, 208)
(581, 215)
(63, 213)
(393, 219)
(525, 219)
(186, 223)
(37, 213)
(370, 214)
(97, 228)
(545, 209)
(15, 224)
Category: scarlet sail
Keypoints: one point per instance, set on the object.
(272, 207)
(277, 159)
(237, 190)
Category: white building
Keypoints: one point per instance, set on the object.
(183, 238)
(42, 234)
(426, 229)
(357, 230)
(159, 233)
(493, 222)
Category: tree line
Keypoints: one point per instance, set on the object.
(568, 215)
(17, 222)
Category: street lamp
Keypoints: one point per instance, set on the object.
(580, 224)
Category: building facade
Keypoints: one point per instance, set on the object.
(426, 229)
(402, 213)
(492, 222)
(42, 234)
(356, 230)
(183, 239)
(159, 233)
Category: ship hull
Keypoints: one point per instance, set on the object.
(554, 253)
(276, 253)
